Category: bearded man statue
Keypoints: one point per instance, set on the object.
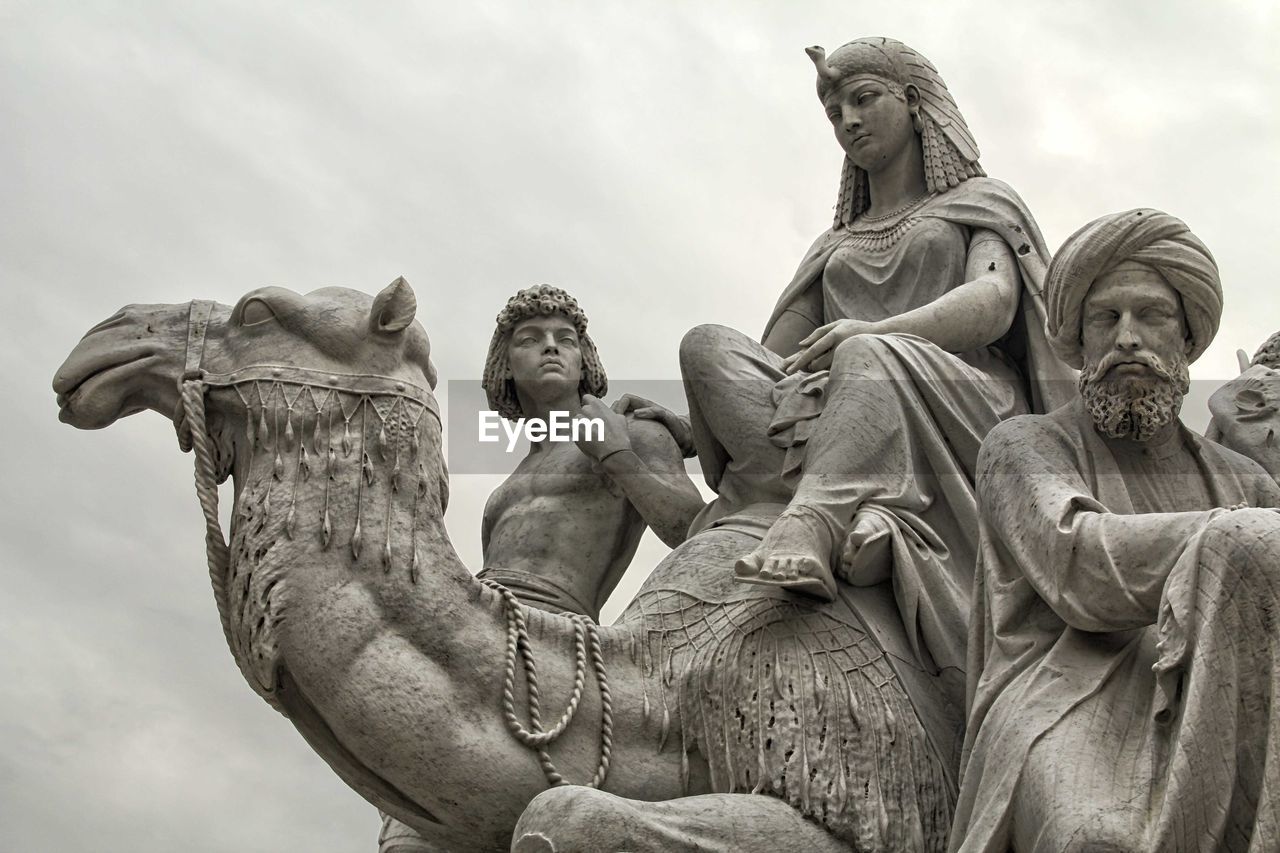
(1124, 654)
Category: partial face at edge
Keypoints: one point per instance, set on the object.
(545, 356)
(871, 122)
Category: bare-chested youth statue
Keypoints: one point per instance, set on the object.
(561, 530)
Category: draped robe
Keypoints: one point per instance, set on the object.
(1124, 653)
(902, 435)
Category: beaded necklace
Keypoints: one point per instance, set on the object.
(878, 233)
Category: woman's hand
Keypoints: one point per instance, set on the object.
(819, 347)
(614, 437)
(677, 425)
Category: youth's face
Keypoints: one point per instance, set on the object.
(545, 355)
(871, 123)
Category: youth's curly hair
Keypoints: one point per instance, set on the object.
(499, 387)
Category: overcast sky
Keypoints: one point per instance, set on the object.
(667, 162)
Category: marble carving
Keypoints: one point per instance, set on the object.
(559, 532)
(950, 595)
(1124, 656)
(1246, 410)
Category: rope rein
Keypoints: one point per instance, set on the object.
(585, 634)
(193, 434)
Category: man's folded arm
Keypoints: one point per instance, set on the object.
(1097, 570)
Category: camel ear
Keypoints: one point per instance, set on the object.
(1242, 358)
(393, 308)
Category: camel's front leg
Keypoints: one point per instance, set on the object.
(575, 819)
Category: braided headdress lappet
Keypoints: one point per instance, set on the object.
(950, 152)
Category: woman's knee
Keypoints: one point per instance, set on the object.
(704, 344)
(859, 353)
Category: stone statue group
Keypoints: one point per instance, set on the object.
(968, 584)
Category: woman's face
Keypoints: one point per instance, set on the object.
(871, 123)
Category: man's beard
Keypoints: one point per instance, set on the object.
(1134, 408)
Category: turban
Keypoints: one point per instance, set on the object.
(1144, 236)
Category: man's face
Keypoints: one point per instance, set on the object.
(1134, 337)
(1132, 319)
(871, 123)
(544, 356)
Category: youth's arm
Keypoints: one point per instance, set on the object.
(652, 475)
(643, 460)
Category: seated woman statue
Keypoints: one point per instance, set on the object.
(912, 327)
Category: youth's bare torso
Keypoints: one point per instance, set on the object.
(561, 525)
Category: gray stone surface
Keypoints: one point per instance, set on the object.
(346, 608)
(563, 527)
(344, 604)
(1246, 410)
(1124, 693)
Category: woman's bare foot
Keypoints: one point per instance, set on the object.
(867, 556)
(795, 555)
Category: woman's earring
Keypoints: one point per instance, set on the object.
(916, 122)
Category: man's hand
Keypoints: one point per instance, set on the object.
(677, 425)
(615, 437)
(819, 347)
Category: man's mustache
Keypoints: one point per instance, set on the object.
(1112, 359)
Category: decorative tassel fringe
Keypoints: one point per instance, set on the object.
(808, 709)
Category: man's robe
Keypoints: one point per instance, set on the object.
(1124, 661)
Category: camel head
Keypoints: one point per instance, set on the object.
(301, 378)
(136, 359)
(320, 405)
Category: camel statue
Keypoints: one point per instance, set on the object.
(434, 695)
